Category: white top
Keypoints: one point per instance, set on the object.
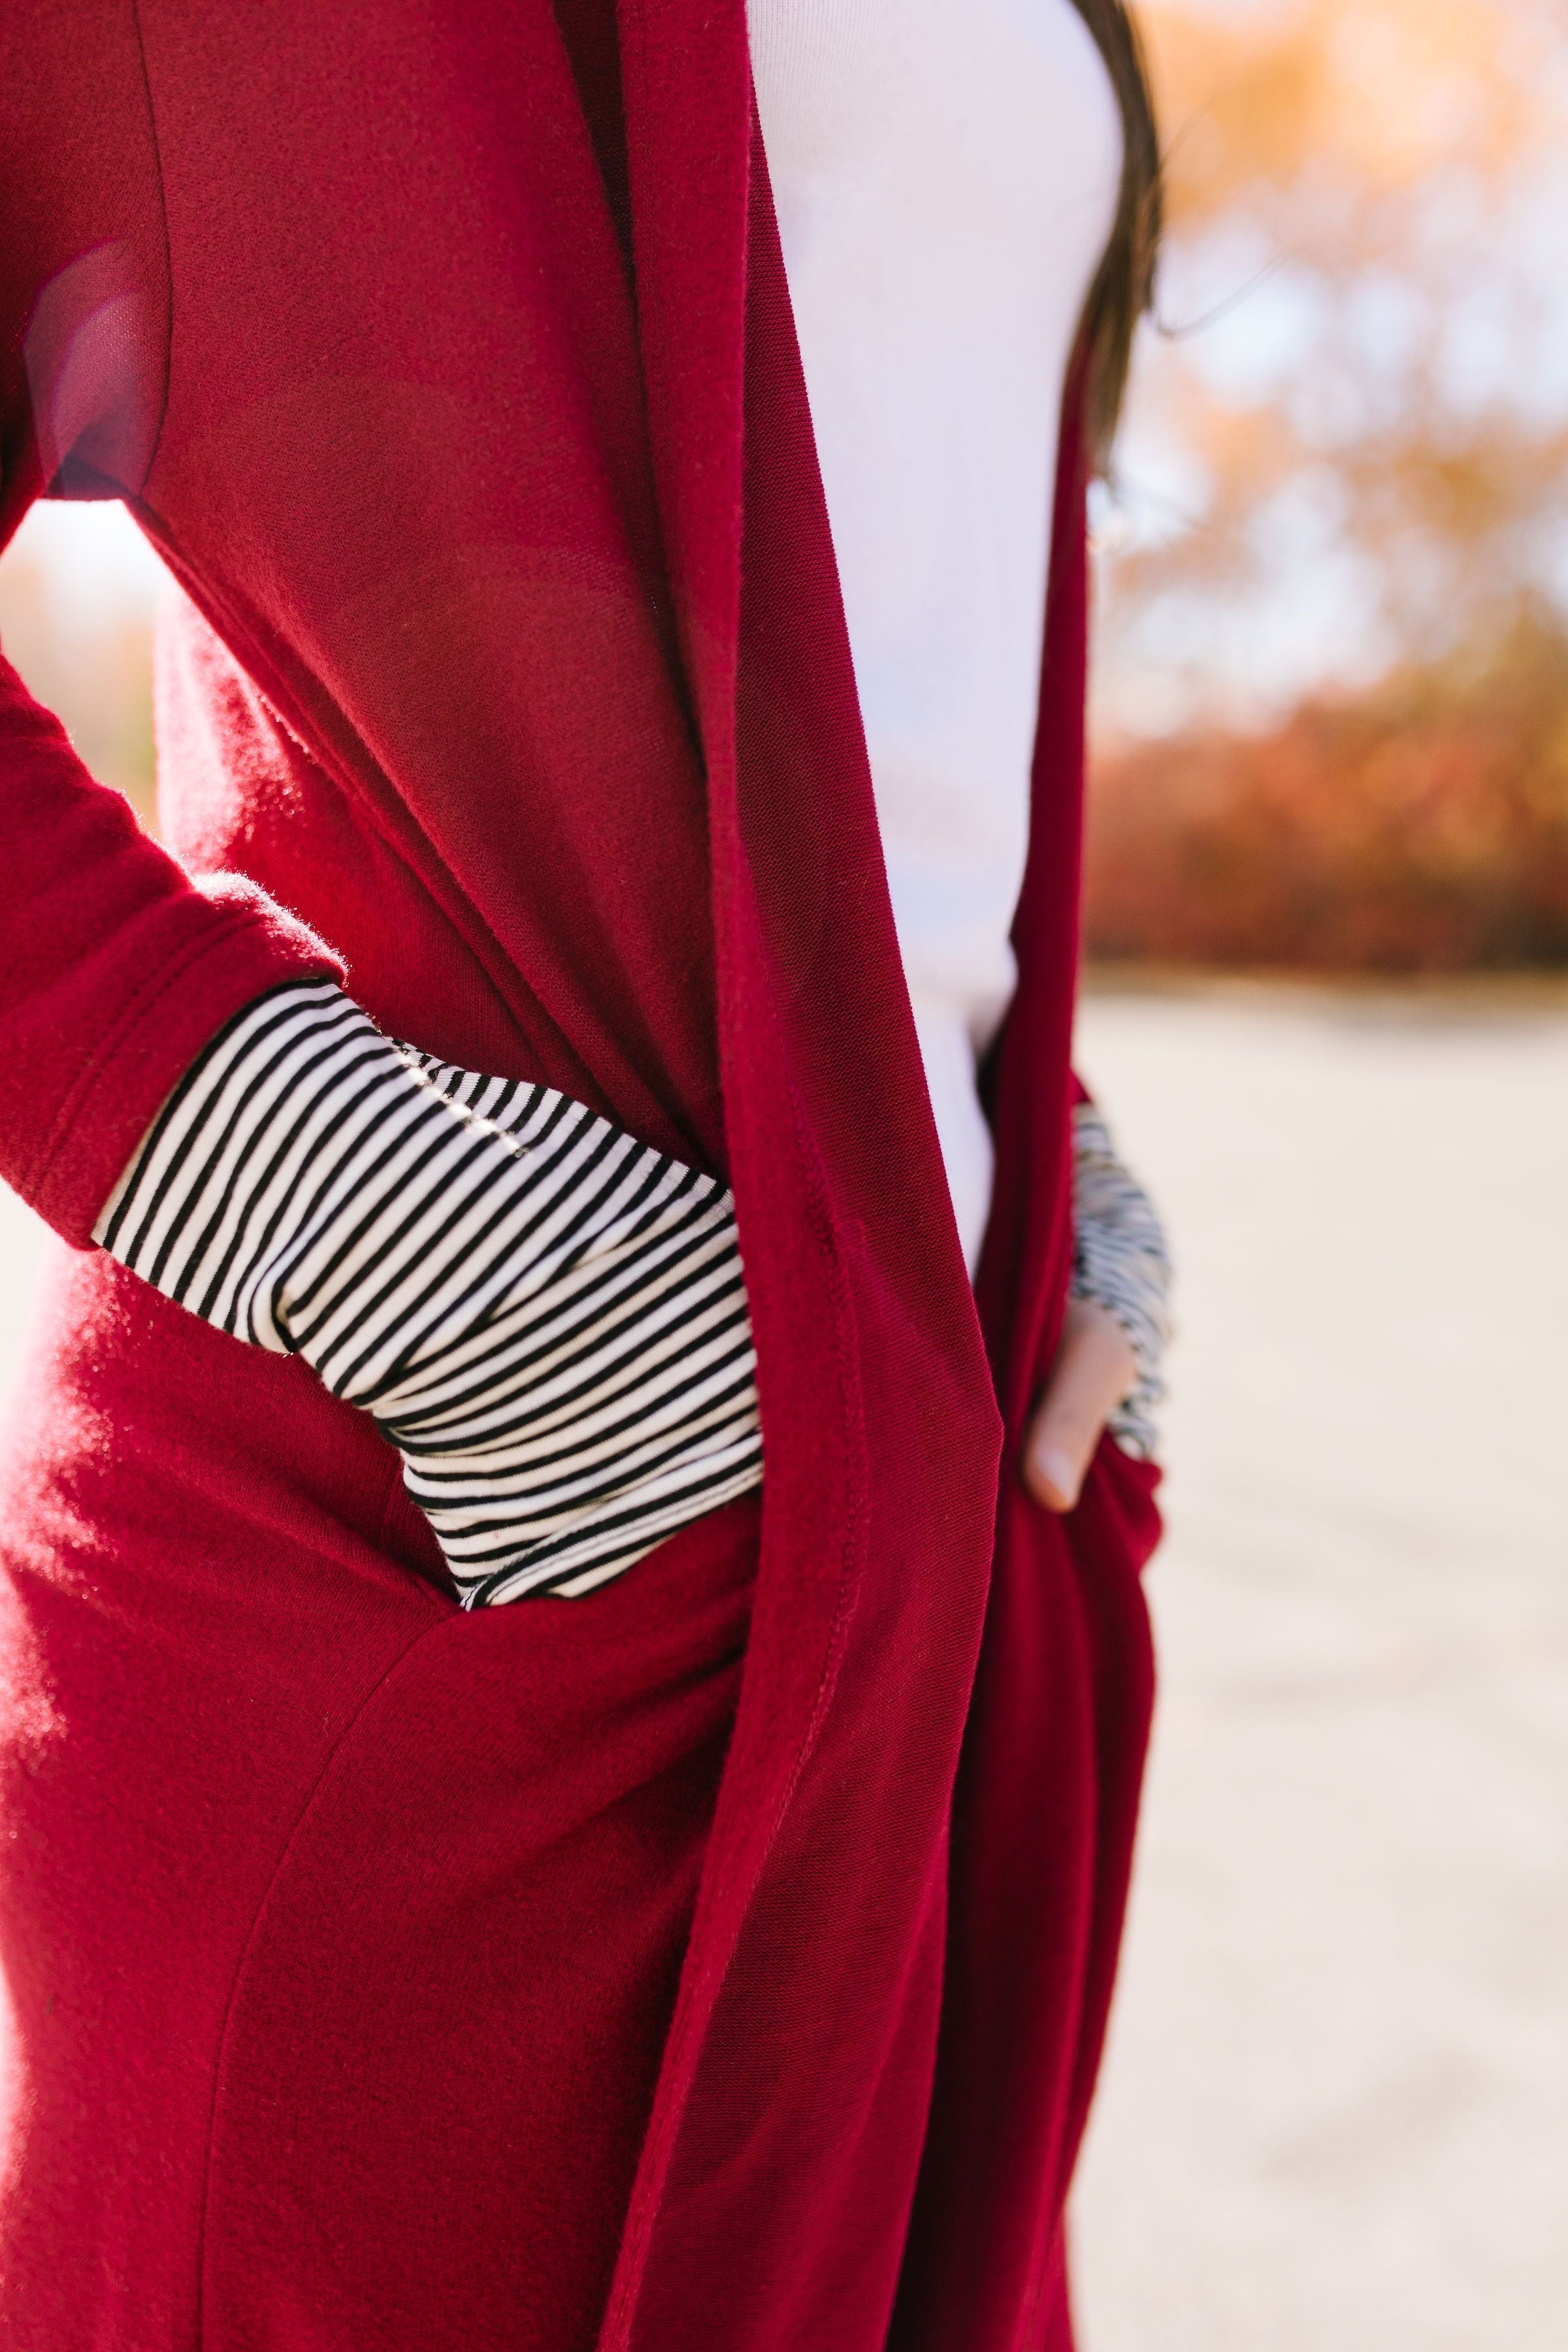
(946, 174)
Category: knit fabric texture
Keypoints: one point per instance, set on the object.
(546, 1318)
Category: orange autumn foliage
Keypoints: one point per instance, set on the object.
(1421, 828)
(1365, 314)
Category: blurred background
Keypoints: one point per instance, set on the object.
(1327, 1008)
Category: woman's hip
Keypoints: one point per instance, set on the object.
(340, 1927)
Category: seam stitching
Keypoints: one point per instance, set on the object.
(285, 1852)
(168, 245)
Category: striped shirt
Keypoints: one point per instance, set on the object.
(547, 1317)
(1122, 1262)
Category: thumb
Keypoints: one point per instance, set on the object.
(1094, 1369)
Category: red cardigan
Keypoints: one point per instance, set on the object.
(444, 353)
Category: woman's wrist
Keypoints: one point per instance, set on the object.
(1122, 1262)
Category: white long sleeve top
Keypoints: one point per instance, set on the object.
(945, 173)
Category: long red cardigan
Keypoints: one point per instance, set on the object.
(444, 352)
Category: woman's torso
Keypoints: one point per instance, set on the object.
(466, 522)
(945, 175)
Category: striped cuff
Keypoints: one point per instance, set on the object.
(1122, 1261)
(547, 1317)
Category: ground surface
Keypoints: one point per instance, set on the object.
(1335, 2116)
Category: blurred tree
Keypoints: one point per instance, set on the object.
(1350, 445)
(1420, 827)
(1333, 695)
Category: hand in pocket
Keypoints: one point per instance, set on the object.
(547, 1317)
(1107, 1371)
(1094, 1369)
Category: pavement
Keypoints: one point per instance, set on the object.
(1334, 2116)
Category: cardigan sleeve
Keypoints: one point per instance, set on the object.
(115, 968)
(546, 1317)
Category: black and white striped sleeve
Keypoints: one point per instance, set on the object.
(547, 1317)
(1122, 1261)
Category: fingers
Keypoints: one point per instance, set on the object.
(1095, 1368)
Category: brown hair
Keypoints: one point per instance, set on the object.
(1124, 283)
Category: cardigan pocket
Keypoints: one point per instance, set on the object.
(547, 1317)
